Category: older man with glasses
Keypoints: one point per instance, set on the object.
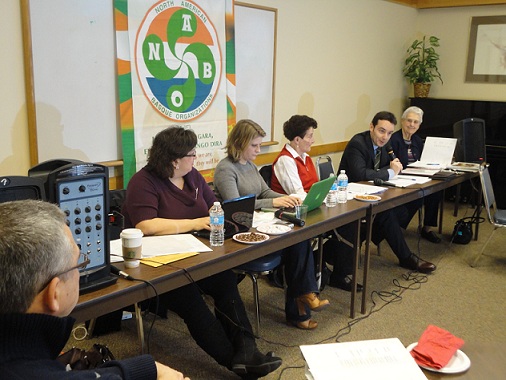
(39, 287)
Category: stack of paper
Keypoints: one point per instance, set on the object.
(160, 250)
(382, 359)
(408, 180)
(421, 171)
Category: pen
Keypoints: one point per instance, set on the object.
(196, 193)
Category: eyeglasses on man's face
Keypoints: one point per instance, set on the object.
(81, 265)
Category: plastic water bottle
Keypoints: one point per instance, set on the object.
(342, 187)
(331, 200)
(217, 217)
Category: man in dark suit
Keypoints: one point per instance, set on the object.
(364, 159)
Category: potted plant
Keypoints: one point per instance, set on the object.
(420, 66)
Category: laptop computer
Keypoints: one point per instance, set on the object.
(316, 195)
(437, 155)
(238, 216)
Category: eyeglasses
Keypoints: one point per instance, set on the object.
(194, 154)
(81, 265)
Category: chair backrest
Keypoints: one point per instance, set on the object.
(324, 167)
(266, 173)
(116, 219)
(488, 193)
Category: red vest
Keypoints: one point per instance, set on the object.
(307, 172)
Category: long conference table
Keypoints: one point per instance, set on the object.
(319, 221)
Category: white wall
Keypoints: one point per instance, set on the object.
(14, 156)
(339, 61)
(452, 25)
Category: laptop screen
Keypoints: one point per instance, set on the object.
(238, 216)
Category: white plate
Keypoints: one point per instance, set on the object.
(239, 237)
(367, 198)
(273, 229)
(458, 363)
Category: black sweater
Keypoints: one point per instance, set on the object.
(30, 343)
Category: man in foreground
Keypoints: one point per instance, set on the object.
(39, 287)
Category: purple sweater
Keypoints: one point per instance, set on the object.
(149, 196)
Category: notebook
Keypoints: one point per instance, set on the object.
(238, 216)
(316, 195)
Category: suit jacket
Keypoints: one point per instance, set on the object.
(400, 149)
(358, 159)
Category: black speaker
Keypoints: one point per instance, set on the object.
(81, 190)
(470, 134)
(15, 188)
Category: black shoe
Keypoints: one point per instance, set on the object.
(258, 365)
(413, 262)
(344, 283)
(431, 236)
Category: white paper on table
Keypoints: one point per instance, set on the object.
(437, 153)
(402, 180)
(380, 359)
(162, 245)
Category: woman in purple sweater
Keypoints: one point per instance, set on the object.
(169, 196)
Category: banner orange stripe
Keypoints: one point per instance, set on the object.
(123, 66)
(121, 21)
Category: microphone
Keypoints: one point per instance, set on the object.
(390, 151)
(380, 182)
(120, 273)
(281, 214)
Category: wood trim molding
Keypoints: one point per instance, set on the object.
(426, 4)
(116, 181)
(29, 85)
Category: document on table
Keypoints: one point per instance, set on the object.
(401, 180)
(381, 359)
(167, 248)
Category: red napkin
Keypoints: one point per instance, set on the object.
(436, 347)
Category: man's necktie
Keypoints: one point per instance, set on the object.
(377, 158)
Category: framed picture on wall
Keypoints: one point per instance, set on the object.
(486, 61)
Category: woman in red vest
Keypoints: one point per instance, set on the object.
(294, 173)
(293, 170)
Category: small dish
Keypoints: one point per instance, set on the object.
(367, 198)
(273, 229)
(460, 362)
(250, 237)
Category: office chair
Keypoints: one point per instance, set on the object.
(266, 173)
(253, 269)
(495, 216)
(324, 168)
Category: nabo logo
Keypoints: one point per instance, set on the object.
(178, 59)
